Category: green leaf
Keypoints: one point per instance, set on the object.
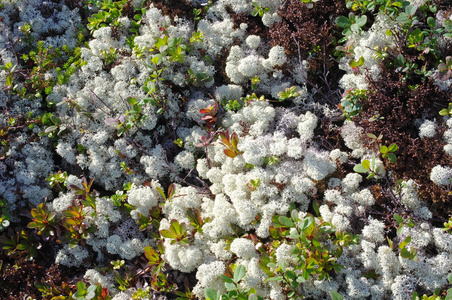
(90, 295)
(431, 22)
(239, 273)
(156, 59)
(405, 253)
(393, 147)
(366, 164)
(398, 219)
(449, 295)
(403, 18)
(308, 221)
(252, 296)
(355, 27)
(226, 278)
(286, 222)
(168, 234)
(361, 21)
(230, 286)
(392, 157)
(81, 286)
(383, 149)
(336, 296)
(294, 215)
(212, 294)
(444, 112)
(360, 169)
(343, 22)
(276, 278)
(51, 129)
(405, 242)
(400, 230)
(291, 274)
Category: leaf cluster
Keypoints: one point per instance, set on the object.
(230, 142)
(108, 16)
(234, 290)
(177, 232)
(317, 246)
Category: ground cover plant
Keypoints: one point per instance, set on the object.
(223, 149)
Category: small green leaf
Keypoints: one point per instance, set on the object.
(366, 164)
(393, 147)
(392, 157)
(360, 169)
(276, 278)
(400, 230)
(294, 215)
(239, 273)
(361, 21)
(286, 222)
(336, 296)
(51, 129)
(308, 221)
(343, 22)
(398, 219)
(291, 275)
(81, 286)
(405, 253)
(212, 294)
(168, 234)
(383, 149)
(444, 112)
(226, 278)
(230, 286)
(431, 22)
(405, 242)
(252, 296)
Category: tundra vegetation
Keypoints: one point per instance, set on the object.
(224, 149)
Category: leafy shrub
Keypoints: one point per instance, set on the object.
(317, 246)
(233, 288)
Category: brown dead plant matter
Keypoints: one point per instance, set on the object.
(172, 8)
(310, 33)
(309, 26)
(398, 106)
(255, 25)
